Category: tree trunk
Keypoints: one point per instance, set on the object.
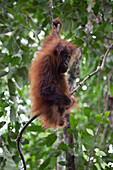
(73, 73)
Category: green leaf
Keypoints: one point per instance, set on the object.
(7, 59)
(68, 35)
(99, 29)
(87, 111)
(79, 33)
(55, 153)
(2, 124)
(23, 72)
(71, 2)
(25, 141)
(100, 153)
(104, 164)
(105, 121)
(12, 114)
(15, 60)
(98, 116)
(108, 28)
(44, 164)
(66, 25)
(35, 128)
(88, 139)
(111, 89)
(90, 131)
(19, 81)
(13, 135)
(11, 87)
(70, 131)
(73, 122)
(97, 166)
(106, 114)
(63, 146)
(1, 114)
(84, 20)
(86, 157)
(50, 139)
(16, 159)
(79, 42)
(11, 45)
(62, 163)
(96, 7)
(11, 72)
(12, 143)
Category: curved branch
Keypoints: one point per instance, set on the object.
(19, 139)
(99, 68)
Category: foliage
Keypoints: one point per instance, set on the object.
(23, 26)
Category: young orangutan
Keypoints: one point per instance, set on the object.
(49, 89)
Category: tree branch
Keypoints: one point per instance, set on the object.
(105, 108)
(99, 68)
(19, 139)
(50, 11)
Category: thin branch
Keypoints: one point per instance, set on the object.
(99, 68)
(100, 124)
(25, 17)
(50, 11)
(19, 139)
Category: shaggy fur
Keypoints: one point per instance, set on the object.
(49, 90)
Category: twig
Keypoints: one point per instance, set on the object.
(99, 68)
(50, 11)
(25, 17)
(100, 124)
(19, 139)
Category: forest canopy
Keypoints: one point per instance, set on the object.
(23, 27)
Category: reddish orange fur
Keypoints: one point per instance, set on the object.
(43, 70)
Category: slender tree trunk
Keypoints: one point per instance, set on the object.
(59, 158)
(69, 139)
(73, 73)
